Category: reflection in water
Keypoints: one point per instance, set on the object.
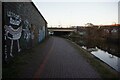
(111, 60)
(106, 52)
(107, 58)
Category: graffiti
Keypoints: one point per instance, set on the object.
(14, 19)
(43, 31)
(13, 33)
(28, 33)
(41, 34)
(26, 30)
(32, 29)
(19, 34)
(32, 35)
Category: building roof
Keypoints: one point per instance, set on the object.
(38, 11)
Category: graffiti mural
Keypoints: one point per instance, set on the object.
(13, 31)
(41, 34)
(32, 29)
(43, 31)
(20, 34)
(26, 30)
(21, 24)
(26, 33)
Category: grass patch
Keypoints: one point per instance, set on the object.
(104, 70)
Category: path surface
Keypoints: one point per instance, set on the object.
(55, 58)
(63, 61)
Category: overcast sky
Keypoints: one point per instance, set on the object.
(76, 13)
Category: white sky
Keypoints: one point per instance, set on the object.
(76, 13)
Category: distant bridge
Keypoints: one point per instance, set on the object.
(61, 31)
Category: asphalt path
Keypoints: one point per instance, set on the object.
(54, 58)
(62, 60)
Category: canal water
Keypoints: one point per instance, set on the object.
(106, 52)
(106, 57)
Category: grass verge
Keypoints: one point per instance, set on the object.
(104, 70)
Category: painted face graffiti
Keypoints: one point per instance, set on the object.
(11, 32)
(14, 19)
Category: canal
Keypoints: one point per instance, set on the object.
(106, 51)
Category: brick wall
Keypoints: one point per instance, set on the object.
(24, 27)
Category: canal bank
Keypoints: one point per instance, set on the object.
(101, 67)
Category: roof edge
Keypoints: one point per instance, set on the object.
(38, 11)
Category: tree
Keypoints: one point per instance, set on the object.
(89, 24)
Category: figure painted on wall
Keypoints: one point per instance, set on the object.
(32, 29)
(18, 31)
(26, 32)
(41, 34)
(13, 31)
(43, 31)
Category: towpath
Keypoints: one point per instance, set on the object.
(54, 58)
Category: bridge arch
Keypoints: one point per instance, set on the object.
(60, 31)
